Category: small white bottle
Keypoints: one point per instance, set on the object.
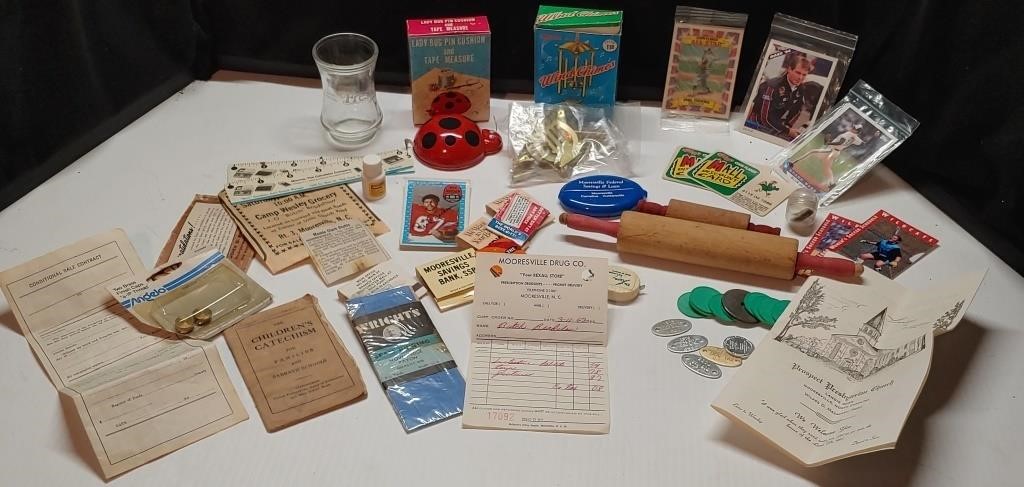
(374, 183)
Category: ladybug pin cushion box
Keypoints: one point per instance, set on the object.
(450, 55)
(449, 63)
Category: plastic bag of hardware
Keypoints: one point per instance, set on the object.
(198, 297)
(848, 140)
(798, 77)
(411, 361)
(702, 64)
(553, 143)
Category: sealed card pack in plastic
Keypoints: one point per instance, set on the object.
(797, 78)
(848, 140)
(702, 66)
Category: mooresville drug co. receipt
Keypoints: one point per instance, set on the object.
(139, 393)
(538, 358)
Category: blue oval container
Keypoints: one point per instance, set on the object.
(601, 196)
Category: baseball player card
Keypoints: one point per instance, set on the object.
(788, 97)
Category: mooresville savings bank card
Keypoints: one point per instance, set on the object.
(450, 279)
(756, 190)
(538, 356)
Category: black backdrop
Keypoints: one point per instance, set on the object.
(76, 72)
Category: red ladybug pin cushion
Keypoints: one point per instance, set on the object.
(450, 141)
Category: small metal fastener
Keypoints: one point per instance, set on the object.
(202, 317)
(184, 327)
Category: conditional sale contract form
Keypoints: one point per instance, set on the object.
(140, 393)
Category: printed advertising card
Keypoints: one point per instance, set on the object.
(273, 226)
(254, 181)
(680, 166)
(388, 275)
(755, 189)
(840, 371)
(293, 363)
(342, 249)
(206, 225)
(538, 358)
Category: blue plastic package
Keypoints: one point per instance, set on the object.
(410, 359)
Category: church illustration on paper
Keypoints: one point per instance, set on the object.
(857, 354)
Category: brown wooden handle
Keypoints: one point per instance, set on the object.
(757, 227)
(827, 266)
(585, 223)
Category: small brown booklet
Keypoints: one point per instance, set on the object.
(293, 363)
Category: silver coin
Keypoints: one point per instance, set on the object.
(732, 301)
(673, 327)
(738, 347)
(702, 366)
(687, 343)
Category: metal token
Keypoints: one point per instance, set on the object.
(687, 343)
(738, 346)
(732, 301)
(701, 366)
(720, 356)
(673, 327)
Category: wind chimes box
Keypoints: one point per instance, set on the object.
(448, 57)
(576, 55)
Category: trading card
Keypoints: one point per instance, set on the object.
(788, 99)
(681, 163)
(842, 143)
(831, 231)
(757, 190)
(702, 69)
(435, 213)
(886, 244)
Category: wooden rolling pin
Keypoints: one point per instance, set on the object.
(685, 210)
(712, 245)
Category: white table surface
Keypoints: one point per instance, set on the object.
(966, 428)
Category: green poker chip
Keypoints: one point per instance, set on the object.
(715, 303)
(683, 303)
(700, 299)
(775, 309)
(754, 303)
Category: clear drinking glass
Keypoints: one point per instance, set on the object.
(350, 112)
